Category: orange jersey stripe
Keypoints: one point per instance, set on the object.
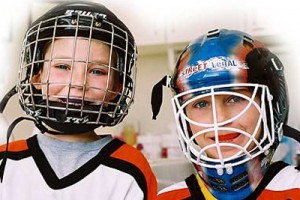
(129, 154)
(19, 145)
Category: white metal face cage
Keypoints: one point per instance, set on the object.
(197, 154)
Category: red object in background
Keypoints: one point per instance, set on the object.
(140, 146)
(164, 152)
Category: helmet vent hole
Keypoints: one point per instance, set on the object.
(248, 42)
(98, 24)
(213, 33)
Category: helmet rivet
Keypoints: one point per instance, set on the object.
(220, 171)
(229, 170)
(267, 152)
(97, 24)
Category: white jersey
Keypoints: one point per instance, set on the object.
(118, 172)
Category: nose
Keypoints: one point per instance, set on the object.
(78, 78)
(221, 112)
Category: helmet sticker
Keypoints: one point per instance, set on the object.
(86, 13)
(215, 63)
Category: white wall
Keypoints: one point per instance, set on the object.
(14, 21)
(151, 69)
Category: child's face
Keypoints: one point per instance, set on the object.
(227, 107)
(76, 72)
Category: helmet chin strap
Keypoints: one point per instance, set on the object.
(291, 132)
(3, 104)
(8, 134)
(42, 126)
(6, 98)
(37, 123)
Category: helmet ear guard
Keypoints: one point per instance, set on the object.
(268, 70)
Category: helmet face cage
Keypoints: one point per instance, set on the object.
(262, 139)
(77, 114)
(216, 64)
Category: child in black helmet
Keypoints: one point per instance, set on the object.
(231, 107)
(77, 73)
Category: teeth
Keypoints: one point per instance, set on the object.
(71, 103)
(75, 104)
(221, 141)
(226, 141)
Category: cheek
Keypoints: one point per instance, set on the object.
(104, 91)
(52, 89)
(200, 138)
(97, 81)
(254, 114)
(57, 83)
(250, 119)
(195, 128)
(196, 117)
(201, 115)
(96, 94)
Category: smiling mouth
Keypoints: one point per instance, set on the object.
(227, 137)
(76, 102)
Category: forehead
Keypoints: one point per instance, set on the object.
(58, 44)
(79, 48)
(222, 91)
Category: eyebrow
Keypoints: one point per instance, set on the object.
(70, 59)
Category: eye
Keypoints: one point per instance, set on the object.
(97, 71)
(62, 67)
(202, 104)
(235, 99)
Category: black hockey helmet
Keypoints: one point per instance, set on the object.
(76, 20)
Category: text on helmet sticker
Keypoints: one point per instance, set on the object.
(86, 13)
(215, 63)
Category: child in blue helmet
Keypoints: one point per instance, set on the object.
(231, 107)
(77, 73)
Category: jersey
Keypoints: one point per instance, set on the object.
(280, 182)
(117, 172)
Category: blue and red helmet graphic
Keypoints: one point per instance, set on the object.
(211, 60)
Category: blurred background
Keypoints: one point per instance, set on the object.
(162, 28)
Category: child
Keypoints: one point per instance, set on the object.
(77, 73)
(231, 108)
